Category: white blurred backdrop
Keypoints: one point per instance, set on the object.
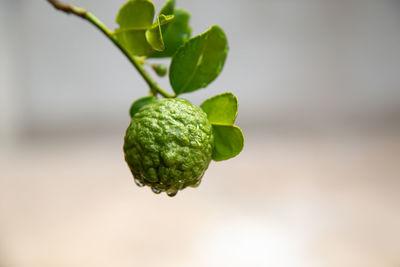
(317, 184)
(290, 63)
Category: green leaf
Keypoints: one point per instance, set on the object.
(134, 41)
(168, 8)
(199, 61)
(136, 14)
(228, 142)
(154, 34)
(140, 103)
(175, 34)
(221, 109)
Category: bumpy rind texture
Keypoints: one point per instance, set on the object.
(168, 145)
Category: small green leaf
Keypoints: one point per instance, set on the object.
(136, 14)
(154, 37)
(168, 8)
(175, 34)
(199, 61)
(221, 109)
(154, 34)
(140, 103)
(134, 41)
(228, 142)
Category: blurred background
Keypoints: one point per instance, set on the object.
(317, 184)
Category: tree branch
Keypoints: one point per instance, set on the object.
(68, 8)
(83, 13)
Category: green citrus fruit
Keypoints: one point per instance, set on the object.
(168, 145)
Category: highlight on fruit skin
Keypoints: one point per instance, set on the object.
(168, 145)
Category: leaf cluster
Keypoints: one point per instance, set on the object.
(195, 62)
(222, 111)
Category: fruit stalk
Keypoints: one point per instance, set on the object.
(90, 17)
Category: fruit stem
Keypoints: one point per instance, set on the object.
(83, 13)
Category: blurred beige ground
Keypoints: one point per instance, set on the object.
(287, 200)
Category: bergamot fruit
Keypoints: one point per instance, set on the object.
(168, 145)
